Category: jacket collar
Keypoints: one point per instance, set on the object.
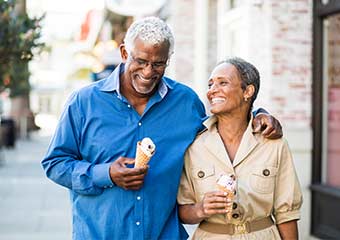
(248, 143)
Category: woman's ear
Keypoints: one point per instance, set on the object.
(249, 92)
(123, 53)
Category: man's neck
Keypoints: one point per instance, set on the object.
(137, 100)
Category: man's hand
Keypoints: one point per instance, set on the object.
(268, 125)
(127, 178)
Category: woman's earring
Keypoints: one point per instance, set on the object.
(245, 99)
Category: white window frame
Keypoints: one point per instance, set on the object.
(232, 34)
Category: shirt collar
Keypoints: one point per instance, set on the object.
(249, 141)
(211, 122)
(112, 82)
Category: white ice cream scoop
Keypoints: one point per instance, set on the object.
(227, 182)
(147, 146)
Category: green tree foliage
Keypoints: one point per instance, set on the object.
(19, 40)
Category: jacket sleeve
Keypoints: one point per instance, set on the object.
(63, 162)
(186, 193)
(288, 196)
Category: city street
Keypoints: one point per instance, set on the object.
(31, 206)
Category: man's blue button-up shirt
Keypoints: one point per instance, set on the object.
(97, 126)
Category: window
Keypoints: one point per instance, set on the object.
(331, 101)
(326, 120)
(232, 29)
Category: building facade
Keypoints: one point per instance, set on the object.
(299, 85)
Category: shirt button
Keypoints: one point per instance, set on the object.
(138, 198)
(137, 223)
(139, 124)
(200, 174)
(266, 172)
(129, 106)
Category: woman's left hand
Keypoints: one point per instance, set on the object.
(267, 125)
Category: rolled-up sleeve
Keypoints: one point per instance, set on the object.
(185, 192)
(288, 196)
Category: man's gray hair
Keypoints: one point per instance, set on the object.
(248, 73)
(151, 30)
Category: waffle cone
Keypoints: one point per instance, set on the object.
(230, 195)
(141, 159)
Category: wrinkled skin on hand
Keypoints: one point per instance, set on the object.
(127, 178)
(214, 203)
(267, 125)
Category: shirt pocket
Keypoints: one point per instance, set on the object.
(204, 179)
(262, 179)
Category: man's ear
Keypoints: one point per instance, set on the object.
(123, 53)
(249, 92)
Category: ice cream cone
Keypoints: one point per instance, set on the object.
(142, 159)
(145, 150)
(230, 195)
(227, 184)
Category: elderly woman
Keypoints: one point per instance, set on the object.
(267, 197)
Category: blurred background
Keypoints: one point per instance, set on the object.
(50, 48)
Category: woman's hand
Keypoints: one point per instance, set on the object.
(212, 203)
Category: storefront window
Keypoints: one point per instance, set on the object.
(331, 101)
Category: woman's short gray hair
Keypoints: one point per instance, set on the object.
(248, 73)
(150, 30)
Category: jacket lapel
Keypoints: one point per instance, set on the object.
(248, 143)
(213, 143)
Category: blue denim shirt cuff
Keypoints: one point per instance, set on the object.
(259, 111)
(101, 175)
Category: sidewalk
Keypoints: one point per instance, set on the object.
(31, 206)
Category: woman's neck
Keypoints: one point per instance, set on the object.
(231, 126)
(231, 130)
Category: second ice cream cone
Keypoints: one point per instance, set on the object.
(227, 184)
(230, 195)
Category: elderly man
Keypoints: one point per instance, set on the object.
(93, 148)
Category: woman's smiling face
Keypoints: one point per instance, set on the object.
(224, 89)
